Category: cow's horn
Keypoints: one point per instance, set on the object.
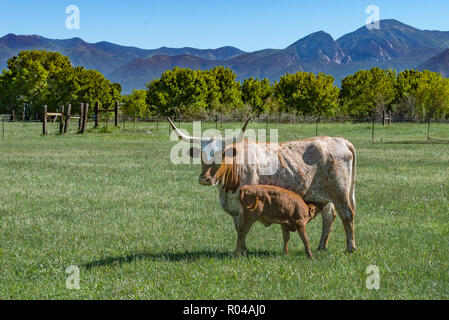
(242, 132)
(182, 135)
(198, 140)
(241, 135)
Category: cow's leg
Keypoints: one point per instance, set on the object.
(243, 229)
(347, 214)
(328, 214)
(301, 227)
(237, 220)
(286, 237)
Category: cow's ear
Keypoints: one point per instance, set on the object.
(194, 152)
(230, 152)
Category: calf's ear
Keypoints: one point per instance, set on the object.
(194, 152)
(312, 210)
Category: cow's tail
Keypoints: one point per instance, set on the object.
(352, 190)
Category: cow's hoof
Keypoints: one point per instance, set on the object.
(351, 250)
(324, 249)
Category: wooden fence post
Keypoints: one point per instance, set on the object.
(80, 121)
(85, 114)
(44, 121)
(389, 117)
(13, 116)
(67, 118)
(96, 111)
(61, 121)
(116, 114)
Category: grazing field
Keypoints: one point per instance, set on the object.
(139, 227)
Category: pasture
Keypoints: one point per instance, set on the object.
(140, 227)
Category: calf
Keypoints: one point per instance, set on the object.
(270, 204)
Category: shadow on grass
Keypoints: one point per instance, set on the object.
(174, 256)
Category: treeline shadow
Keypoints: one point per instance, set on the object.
(173, 257)
(430, 141)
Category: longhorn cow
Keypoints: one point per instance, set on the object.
(320, 169)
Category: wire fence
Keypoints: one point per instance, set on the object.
(159, 125)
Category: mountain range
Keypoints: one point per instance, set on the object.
(395, 45)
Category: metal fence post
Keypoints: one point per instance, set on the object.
(44, 121)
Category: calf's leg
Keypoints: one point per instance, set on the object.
(286, 237)
(301, 227)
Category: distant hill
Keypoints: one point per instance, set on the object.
(395, 45)
(103, 56)
(135, 74)
(438, 63)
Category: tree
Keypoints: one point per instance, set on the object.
(368, 91)
(6, 100)
(213, 94)
(92, 86)
(256, 92)
(27, 79)
(307, 94)
(324, 100)
(405, 87)
(40, 77)
(230, 94)
(432, 96)
(177, 91)
(135, 104)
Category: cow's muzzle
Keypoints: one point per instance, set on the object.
(205, 180)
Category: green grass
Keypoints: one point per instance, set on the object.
(140, 227)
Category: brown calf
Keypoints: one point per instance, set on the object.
(270, 204)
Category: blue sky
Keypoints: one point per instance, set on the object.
(249, 25)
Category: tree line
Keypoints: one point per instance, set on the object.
(38, 77)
